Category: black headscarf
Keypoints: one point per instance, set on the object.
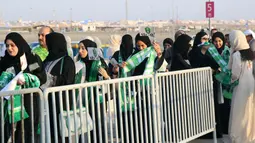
(196, 58)
(145, 39)
(126, 47)
(57, 47)
(140, 68)
(182, 46)
(222, 37)
(168, 41)
(88, 43)
(198, 37)
(136, 37)
(19, 42)
(178, 33)
(22, 46)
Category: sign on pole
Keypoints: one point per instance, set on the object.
(147, 31)
(209, 9)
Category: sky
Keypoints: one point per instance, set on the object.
(114, 10)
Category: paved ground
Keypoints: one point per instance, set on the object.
(225, 139)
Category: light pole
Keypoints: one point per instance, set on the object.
(71, 18)
(209, 24)
(126, 16)
(31, 9)
(173, 21)
(53, 14)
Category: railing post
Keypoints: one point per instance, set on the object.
(157, 106)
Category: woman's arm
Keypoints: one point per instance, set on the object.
(112, 69)
(159, 62)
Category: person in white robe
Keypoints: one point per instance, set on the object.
(242, 115)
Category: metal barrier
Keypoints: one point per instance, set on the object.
(21, 114)
(172, 107)
(133, 117)
(187, 104)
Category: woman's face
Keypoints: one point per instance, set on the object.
(82, 51)
(11, 48)
(141, 45)
(218, 42)
(167, 45)
(204, 39)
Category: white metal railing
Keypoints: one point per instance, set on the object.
(187, 104)
(137, 88)
(30, 129)
(168, 107)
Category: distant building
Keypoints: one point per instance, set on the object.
(86, 28)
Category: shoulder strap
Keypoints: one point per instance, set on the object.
(83, 77)
(62, 63)
(52, 64)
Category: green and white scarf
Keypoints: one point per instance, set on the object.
(121, 71)
(224, 77)
(31, 81)
(80, 76)
(132, 63)
(123, 74)
(93, 74)
(139, 57)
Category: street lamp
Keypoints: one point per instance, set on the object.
(71, 18)
(127, 15)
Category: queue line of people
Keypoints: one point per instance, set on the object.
(53, 65)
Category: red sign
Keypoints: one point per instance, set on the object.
(209, 9)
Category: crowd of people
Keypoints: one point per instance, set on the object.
(52, 64)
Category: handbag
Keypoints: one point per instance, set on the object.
(84, 122)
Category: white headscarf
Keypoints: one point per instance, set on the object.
(97, 41)
(115, 41)
(249, 32)
(69, 46)
(238, 42)
(2, 50)
(89, 37)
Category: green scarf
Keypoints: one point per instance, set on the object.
(139, 57)
(93, 77)
(31, 81)
(80, 74)
(226, 54)
(94, 71)
(132, 63)
(121, 72)
(130, 102)
(224, 77)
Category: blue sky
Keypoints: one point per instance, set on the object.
(114, 10)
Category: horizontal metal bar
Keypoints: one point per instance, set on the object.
(183, 71)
